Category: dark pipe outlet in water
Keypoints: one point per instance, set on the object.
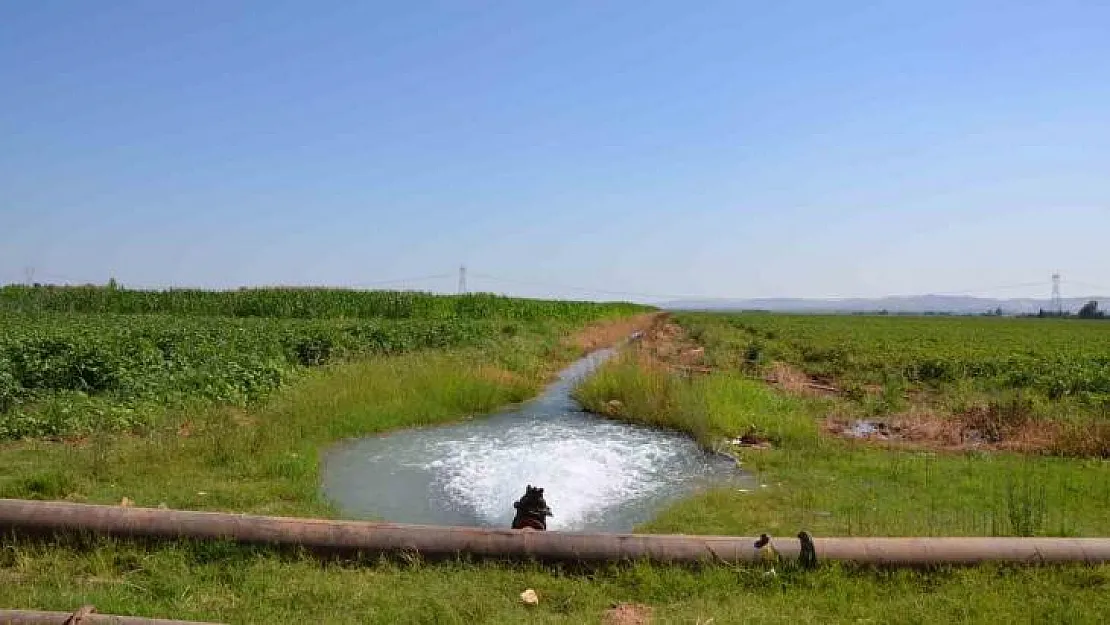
(597, 474)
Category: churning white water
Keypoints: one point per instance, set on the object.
(597, 474)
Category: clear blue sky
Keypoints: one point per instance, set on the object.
(687, 148)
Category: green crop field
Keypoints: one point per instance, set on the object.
(224, 401)
(1047, 369)
(75, 360)
(1058, 358)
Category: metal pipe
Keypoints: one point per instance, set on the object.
(34, 617)
(358, 537)
(962, 550)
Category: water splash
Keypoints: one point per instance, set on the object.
(597, 474)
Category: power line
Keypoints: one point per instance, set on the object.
(31, 273)
(1057, 299)
(565, 287)
(978, 291)
(1004, 287)
(1089, 285)
(438, 276)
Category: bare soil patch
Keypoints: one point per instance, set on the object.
(665, 343)
(627, 614)
(797, 382)
(928, 429)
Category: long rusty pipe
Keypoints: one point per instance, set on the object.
(35, 617)
(358, 537)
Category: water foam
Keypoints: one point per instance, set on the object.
(584, 470)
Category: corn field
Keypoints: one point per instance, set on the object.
(297, 303)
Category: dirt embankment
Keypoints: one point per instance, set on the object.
(627, 614)
(667, 343)
(796, 382)
(658, 339)
(611, 332)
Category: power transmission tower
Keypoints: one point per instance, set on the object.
(462, 280)
(29, 274)
(1057, 299)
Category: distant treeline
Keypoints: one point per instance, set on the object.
(1088, 311)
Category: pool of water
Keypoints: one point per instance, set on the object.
(598, 474)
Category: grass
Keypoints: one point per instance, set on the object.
(709, 408)
(264, 460)
(246, 586)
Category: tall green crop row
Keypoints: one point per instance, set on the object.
(299, 303)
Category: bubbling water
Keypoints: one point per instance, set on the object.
(597, 474)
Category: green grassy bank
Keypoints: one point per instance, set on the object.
(238, 586)
(263, 458)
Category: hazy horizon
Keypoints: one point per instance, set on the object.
(646, 149)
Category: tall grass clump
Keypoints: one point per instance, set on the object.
(709, 408)
(637, 390)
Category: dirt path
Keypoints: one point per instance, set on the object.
(609, 333)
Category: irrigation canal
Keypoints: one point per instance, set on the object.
(598, 474)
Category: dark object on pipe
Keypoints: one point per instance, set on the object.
(808, 556)
(531, 510)
(34, 617)
(357, 537)
(766, 550)
(79, 616)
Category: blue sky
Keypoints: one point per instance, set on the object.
(672, 148)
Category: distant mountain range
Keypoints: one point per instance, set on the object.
(903, 304)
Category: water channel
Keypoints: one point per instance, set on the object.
(598, 474)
